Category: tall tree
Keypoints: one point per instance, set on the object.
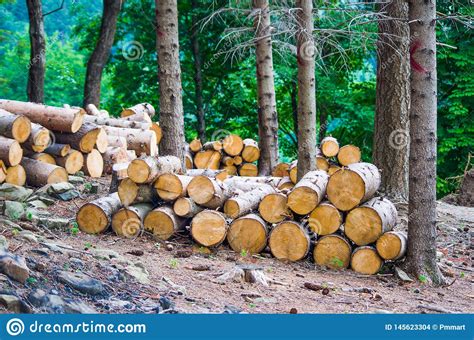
(267, 113)
(390, 149)
(306, 88)
(421, 254)
(169, 76)
(37, 65)
(196, 50)
(98, 58)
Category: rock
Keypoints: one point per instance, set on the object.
(13, 210)
(402, 275)
(64, 191)
(416, 291)
(81, 282)
(76, 180)
(37, 297)
(232, 310)
(14, 304)
(116, 304)
(27, 236)
(56, 304)
(52, 223)
(10, 224)
(3, 243)
(41, 251)
(38, 204)
(53, 247)
(76, 263)
(10, 192)
(166, 303)
(14, 266)
(139, 272)
(236, 274)
(105, 254)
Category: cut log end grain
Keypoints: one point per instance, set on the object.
(207, 159)
(332, 251)
(308, 192)
(128, 221)
(44, 157)
(39, 174)
(248, 170)
(21, 129)
(392, 245)
(147, 169)
(39, 140)
(322, 163)
(251, 151)
(248, 233)
(209, 228)
(171, 186)
(163, 223)
(281, 170)
(285, 184)
(332, 169)
(94, 217)
(16, 175)
(139, 171)
(201, 189)
(365, 260)
(188, 161)
(231, 170)
(349, 154)
(73, 162)
(93, 164)
(186, 207)
(59, 150)
(348, 187)
(142, 108)
(195, 145)
(213, 145)
(233, 145)
(325, 219)
(329, 147)
(156, 128)
(273, 208)
(238, 160)
(293, 172)
(10, 151)
(102, 141)
(130, 192)
(365, 224)
(289, 241)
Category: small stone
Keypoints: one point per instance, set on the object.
(3, 243)
(76, 263)
(169, 247)
(105, 254)
(81, 282)
(293, 311)
(449, 263)
(402, 275)
(166, 303)
(138, 272)
(27, 236)
(76, 180)
(377, 297)
(231, 310)
(325, 291)
(13, 210)
(136, 252)
(37, 297)
(183, 253)
(14, 266)
(416, 291)
(14, 304)
(41, 251)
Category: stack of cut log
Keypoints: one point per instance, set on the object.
(233, 154)
(42, 144)
(332, 215)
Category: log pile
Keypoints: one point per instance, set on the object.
(332, 215)
(42, 144)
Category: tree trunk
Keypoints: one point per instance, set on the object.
(171, 103)
(267, 113)
(421, 254)
(98, 58)
(195, 48)
(37, 65)
(390, 149)
(306, 89)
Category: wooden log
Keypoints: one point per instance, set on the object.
(39, 139)
(170, 186)
(238, 160)
(353, 185)
(365, 224)
(227, 160)
(213, 145)
(245, 202)
(94, 217)
(195, 145)
(308, 192)
(142, 141)
(233, 145)
(289, 241)
(248, 233)
(332, 251)
(329, 146)
(251, 151)
(281, 170)
(220, 175)
(332, 169)
(273, 207)
(128, 221)
(186, 207)
(138, 117)
(365, 260)
(15, 175)
(139, 108)
(163, 223)
(392, 245)
(293, 171)
(147, 169)
(120, 123)
(131, 193)
(11, 152)
(93, 164)
(117, 142)
(322, 163)
(188, 159)
(39, 174)
(42, 157)
(207, 159)
(3, 172)
(50, 117)
(325, 219)
(58, 149)
(72, 162)
(14, 126)
(82, 140)
(114, 155)
(285, 184)
(92, 110)
(104, 113)
(102, 142)
(209, 228)
(156, 128)
(349, 154)
(231, 170)
(248, 169)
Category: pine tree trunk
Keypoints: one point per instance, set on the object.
(169, 74)
(37, 65)
(390, 150)
(306, 89)
(421, 258)
(101, 53)
(267, 113)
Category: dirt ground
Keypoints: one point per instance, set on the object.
(186, 275)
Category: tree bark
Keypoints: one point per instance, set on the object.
(98, 58)
(37, 65)
(306, 89)
(267, 113)
(421, 254)
(171, 103)
(390, 149)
